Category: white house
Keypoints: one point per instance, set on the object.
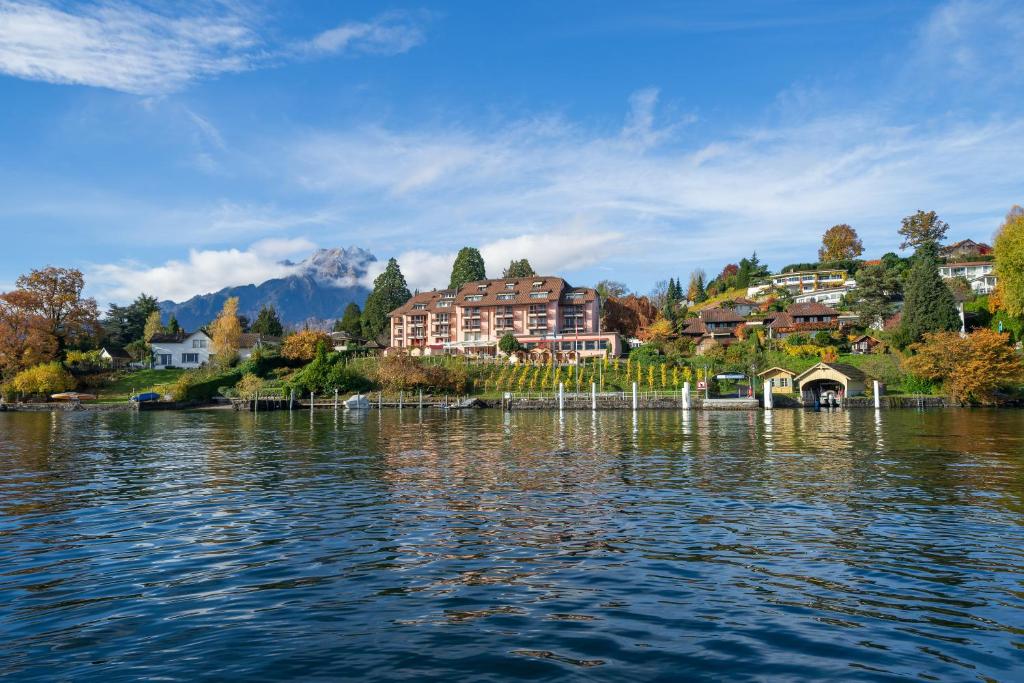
(969, 269)
(181, 350)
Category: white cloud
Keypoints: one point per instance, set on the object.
(135, 49)
(204, 271)
(976, 41)
(389, 34)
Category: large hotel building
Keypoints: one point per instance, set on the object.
(544, 313)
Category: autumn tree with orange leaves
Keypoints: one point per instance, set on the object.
(972, 368)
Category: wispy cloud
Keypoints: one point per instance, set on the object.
(137, 49)
(974, 40)
(390, 34)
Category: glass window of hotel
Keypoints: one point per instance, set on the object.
(444, 304)
(481, 287)
(506, 297)
(538, 283)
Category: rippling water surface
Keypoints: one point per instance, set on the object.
(484, 545)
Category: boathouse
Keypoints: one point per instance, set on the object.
(780, 379)
(830, 381)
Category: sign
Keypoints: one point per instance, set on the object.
(701, 385)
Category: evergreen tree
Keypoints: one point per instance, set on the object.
(468, 267)
(520, 268)
(125, 324)
(928, 303)
(875, 296)
(390, 291)
(350, 321)
(173, 326)
(268, 323)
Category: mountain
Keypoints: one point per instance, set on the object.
(317, 292)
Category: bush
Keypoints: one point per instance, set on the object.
(328, 372)
(400, 372)
(41, 381)
(203, 384)
(822, 338)
(303, 345)
(646, 354)
(263, 363)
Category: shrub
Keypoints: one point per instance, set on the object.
(42, 380)
(971, 368)
(303, 345)
(203, 384)
(400, 372)
(263, 363)
(646, 354)
(328, 372)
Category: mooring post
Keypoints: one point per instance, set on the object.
(335, 400)
(593, 395)
(769, 398)
(312, 402)
(421, 399)
(686, 395)
(561, 395)
(878, 401)
(291, 400)
(380, 400)
(634, 396)
(401, 395)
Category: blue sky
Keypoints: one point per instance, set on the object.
(177, 153)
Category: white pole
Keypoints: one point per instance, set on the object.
(421, 399)
(312, 402)
(593, 395)
(878, 401)
(769, 399)
(256, 405)
(401, 395)
(686, 395)
(561, 395)
(634, 396)
(335, 400)
(291, 400)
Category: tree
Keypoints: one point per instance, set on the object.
(53, 296)
(125, 324)
(24, 337)
(629, 315)
(840, 242)
(611, 288)
(389, 292)
(304, 345)
(695, 292)
(226, 332)
(173, 326)
(659, 294)
(875, 296)
(922, 228)
(468, 267)
(1009, 265)
(658, 331)
(349, 321)
(268, 323)
(972, 368)
(508, 344)
(928, 303)
(154, 326)
(520, 268)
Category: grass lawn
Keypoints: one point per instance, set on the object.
(139, 381)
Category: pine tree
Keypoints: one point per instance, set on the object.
(268, 323)
(468, 267)
(928, 303)
(390, 291)
(350, 320)
(520, 268)
(173, 326)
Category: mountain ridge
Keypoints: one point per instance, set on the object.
(316, 293)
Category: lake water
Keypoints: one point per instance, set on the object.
(494, 546)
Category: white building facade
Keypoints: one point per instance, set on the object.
(182, 350)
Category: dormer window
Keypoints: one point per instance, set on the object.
(538, 295)
(506, 297)
(538, 283)
(574, 296)
(419, 307)
(481, 287)
(474, 297)
(510, 285)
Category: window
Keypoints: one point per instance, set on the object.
(602, 344)
(538, 295)
(783, 382)
(189, 358)
(538, 283)
(510, 285)
(444, 304)
(590, 345)
(474, 297)
(164, 359)
(506, 297)
(419, 307)
(198, 343)
(574, 296)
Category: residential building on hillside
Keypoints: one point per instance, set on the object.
(829, 297)
(803, 318)
(545, 314)
(740, 305)
(979, 274)
(251, 341)
(713, 326)
(802, 281)
(965, 248)
(181, 350)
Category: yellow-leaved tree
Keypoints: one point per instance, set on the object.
(226, 332)
(302, 345)
(42, 380)
(972, 368)
(1009, 266)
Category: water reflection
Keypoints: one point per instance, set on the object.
(797, 545)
